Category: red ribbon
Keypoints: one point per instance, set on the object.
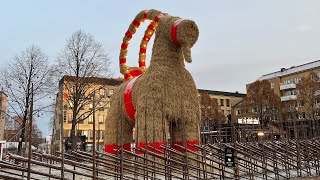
(174, 31)
(188, 146)
(123, 60)
(109, 148)
(128, 34)
(136, 23)
(128, 98)
(152, 147)
(142, 64)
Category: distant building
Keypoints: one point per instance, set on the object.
(3, 114)
(63, 112)
(226, 100)
(284, 81)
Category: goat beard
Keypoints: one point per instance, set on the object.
(186, 51)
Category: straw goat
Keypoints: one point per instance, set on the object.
(165, 97)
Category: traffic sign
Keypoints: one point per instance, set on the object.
(229, 156)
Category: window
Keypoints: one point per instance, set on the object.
(221, 102)
(272, 85)
(110, 92)
(228, 112)
(102, 134)
(70, 118)
(90, 119)
(238, 112)
(101, 92)
(101, 119)
(64, 116)
(228, 102)
(91, 134)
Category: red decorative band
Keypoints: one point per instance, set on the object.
(124, 46)
(146, 38)
(142, 64)
(188, 145)
(128, 98)
(152, 147)
(145, 14)
(136, 23)
(123, 60)
(128, 34)
(151, 27)
(174, 31)
(158, 17)
(110, 148)
(143, 50)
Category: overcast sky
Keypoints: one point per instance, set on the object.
(239, 40)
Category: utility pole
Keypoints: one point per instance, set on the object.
(30, 134)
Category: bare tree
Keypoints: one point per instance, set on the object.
(27, 68)
(210, 110)
(261, 102)
(308, 99)
(82, 59)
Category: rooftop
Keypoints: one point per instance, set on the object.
(97, 80)
(222, 93)
(292, 70)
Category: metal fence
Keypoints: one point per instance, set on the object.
(287, 150)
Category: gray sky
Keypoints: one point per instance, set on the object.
(239, 40)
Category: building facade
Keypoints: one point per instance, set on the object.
(3, 114)
(92, 107)
(284, 82)
(226, 100)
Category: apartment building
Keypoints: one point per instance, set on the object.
(103, 88)
(284, 81)
(3, 115)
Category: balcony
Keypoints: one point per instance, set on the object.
(287, 86)
(288, 98)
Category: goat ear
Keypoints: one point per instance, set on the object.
(186, 51)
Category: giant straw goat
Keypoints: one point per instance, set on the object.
(165, 98)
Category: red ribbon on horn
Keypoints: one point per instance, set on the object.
(174, 31)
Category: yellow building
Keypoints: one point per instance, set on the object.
(103, 89)
(226, 100)
(284, 81)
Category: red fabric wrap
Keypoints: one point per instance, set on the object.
(109, 148)
(123, 60)
(188, 145)
(124, 46)
(158, 17)
(128, 99)
(155, 147)
(136, 23)
(146, 38)
(145, 14)
(128, 34)
(174, 31)
(143, 50)
(142, 64)
(151, 27)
